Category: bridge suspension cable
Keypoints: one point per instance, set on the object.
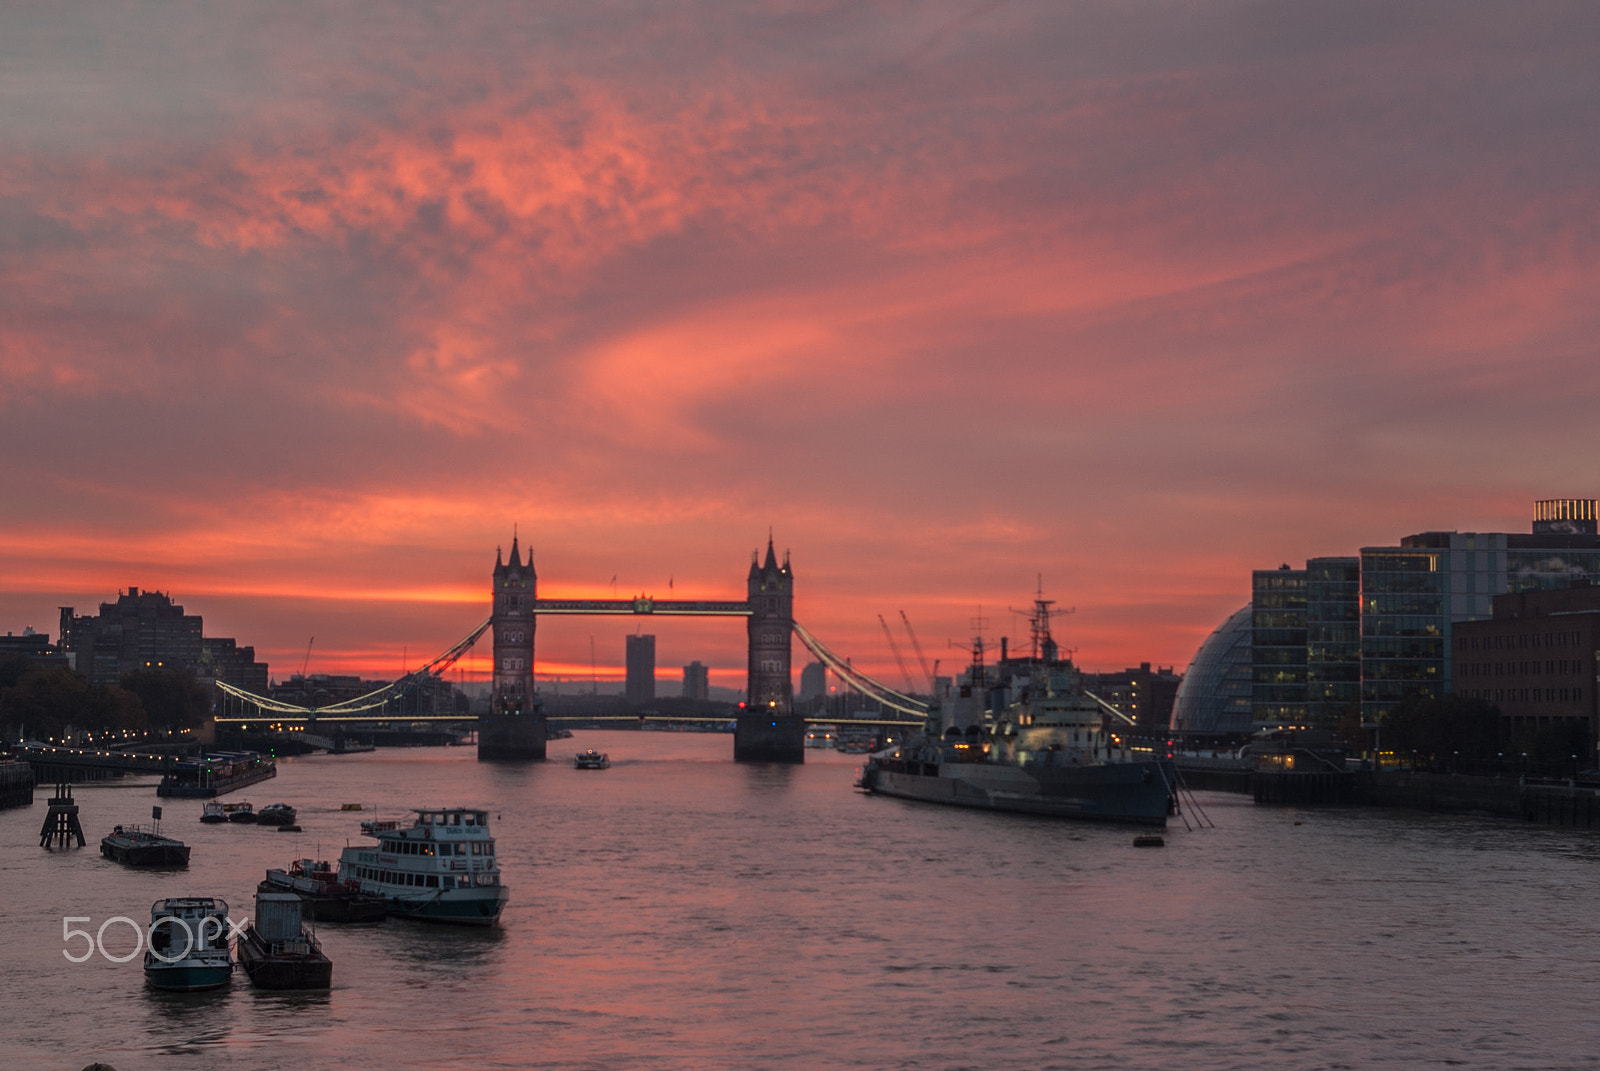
(373, 700)
(884, 694)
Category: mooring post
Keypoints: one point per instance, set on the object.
(61, 821)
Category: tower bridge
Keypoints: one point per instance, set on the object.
(767, 729)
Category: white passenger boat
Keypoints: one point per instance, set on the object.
(441, 867)
(188, 947)
(821, 736)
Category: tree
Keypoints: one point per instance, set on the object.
(172, 699)
(47, 699)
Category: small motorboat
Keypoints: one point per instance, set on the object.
(276, 814)
(240, 812)
(188, 946)
(277, 952)
(214, 812)
(592, 760)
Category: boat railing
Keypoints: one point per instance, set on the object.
(374, 826)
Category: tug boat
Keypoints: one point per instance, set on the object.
(323, 895)
(592, 760)
(440, 868)
(277, 952)
(188, 947)
(240, 812)
(143, 846)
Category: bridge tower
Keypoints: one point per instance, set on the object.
(768, 730)
(514, 728)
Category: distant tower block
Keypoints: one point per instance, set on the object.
(768, 730)
(61, 821)
(640, 652)
(514, 728)
(696, 681)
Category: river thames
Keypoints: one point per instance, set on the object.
(681, 911)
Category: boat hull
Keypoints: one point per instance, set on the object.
(461, 907)
(332, 907)
(187, 977)
(173, 854)
(270, 970)
(1133, 792)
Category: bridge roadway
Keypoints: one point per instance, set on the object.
(303, 723)
(644, 604)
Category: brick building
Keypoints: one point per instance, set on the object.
(1535, 658)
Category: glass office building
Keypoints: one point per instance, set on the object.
(1333, 638)
(1413, 593)
(1278, 646)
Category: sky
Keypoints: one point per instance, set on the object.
(306, 309)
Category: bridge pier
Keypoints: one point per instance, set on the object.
(769, 738)
(512, 736)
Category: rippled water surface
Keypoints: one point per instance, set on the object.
(681, 911)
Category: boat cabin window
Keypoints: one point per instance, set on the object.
(455, 819)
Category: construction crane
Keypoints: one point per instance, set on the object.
(306, 665)
(901, 662)
(933, 688)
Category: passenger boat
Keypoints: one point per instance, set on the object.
(214, 812)
(1029, 738)
(592, 760)
(188, 946)
(820, 736)
(143, 846)
(324, 895)
(276, 814)
(440, 868)
(277, 952)
(240, 812)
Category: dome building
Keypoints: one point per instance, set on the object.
(1216, 693)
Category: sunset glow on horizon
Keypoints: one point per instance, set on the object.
(305, 313)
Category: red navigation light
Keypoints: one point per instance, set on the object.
(741, 705)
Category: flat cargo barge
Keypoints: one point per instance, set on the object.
(215, 774)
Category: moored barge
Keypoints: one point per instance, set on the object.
(277, 952)
(143, 846)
